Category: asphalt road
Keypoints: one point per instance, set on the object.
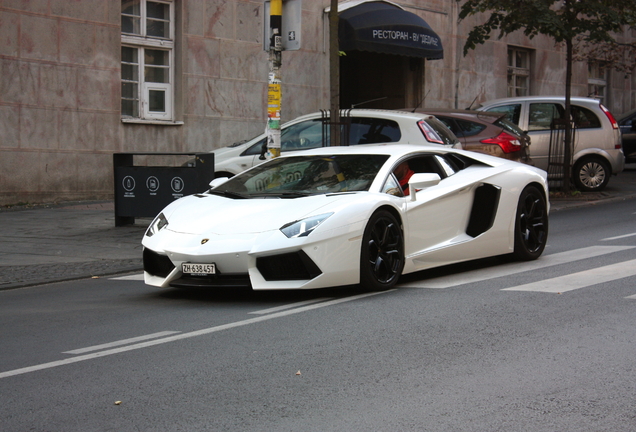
(484, 346)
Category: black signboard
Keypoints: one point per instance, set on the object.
(143, 191)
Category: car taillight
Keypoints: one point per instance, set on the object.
(507, 142)
(609, 116)
(429, 132)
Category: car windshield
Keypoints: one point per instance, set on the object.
(297, 176)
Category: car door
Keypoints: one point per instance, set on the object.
(535, 118)
(437, 221)
(540, 118)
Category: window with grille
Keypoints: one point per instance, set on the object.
(596, 80)
(518, 72)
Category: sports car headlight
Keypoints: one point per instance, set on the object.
(304, 227)
(157, 225)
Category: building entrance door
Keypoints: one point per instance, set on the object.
(376, 80)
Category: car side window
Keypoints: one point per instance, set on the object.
(584, 118)
(364, 130)
(470, 128)
(255, 149)
(512, 111)
(446, 165)
(434, 164)
(302, 136)
(450, 123)
(541, 115)
(442, 131)
(392, 187)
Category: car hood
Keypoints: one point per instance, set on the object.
(197, 214)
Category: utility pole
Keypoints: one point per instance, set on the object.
(334, 75)
(274, 78)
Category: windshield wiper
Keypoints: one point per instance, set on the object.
(295, 194)
(228, 194)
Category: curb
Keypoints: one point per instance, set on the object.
(92, 275)
(559, 204)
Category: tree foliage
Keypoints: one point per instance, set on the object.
(584, 22)
(564, 20)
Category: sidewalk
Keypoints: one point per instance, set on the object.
(52, 243)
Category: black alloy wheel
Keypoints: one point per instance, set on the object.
(531, 225)
(382, 255)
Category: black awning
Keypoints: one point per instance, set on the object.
(387, 28)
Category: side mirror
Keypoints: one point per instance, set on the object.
(218, 181)
(422, 181)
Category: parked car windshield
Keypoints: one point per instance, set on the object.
(304, 175)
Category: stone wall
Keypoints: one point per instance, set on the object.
(60, 85)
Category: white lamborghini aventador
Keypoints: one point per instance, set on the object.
(337, 216)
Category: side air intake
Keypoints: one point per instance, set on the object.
(482, 215)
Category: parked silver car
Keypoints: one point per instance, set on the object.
(596, 153)
(361, 126)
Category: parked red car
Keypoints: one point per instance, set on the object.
(484, 132)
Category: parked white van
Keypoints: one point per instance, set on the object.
(597, 152)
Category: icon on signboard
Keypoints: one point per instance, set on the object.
(128, 183)
(177, 184)
(152, 183)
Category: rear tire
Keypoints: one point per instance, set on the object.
(382, 254)
(531, 225)
(591, 174)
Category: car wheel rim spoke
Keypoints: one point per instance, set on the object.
(592, 175)
(532, 223)
(384, 254)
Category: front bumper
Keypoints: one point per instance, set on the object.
(264, 261)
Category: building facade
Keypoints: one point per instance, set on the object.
(82, 80)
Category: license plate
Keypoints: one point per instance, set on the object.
(198, 269)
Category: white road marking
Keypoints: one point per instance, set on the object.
(619, 237)
(513, 268)
(581, 279)
(631, 297)
(182, 336)
(134, 277)
(289, 306)
(120, 342)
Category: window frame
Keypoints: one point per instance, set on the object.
(597, 80)
(142, 42)
(515, 72)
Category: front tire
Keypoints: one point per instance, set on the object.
(591, 174)
(382, 254)
(531, 225)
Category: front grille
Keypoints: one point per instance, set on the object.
(236, 280)
(290, 266)
(156, 264)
